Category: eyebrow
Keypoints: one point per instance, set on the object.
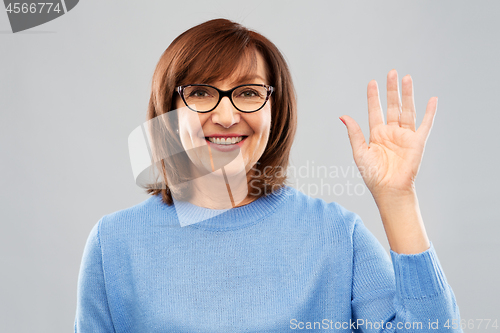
(248, 78)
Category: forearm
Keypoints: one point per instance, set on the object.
(403, 223)
(417, 294)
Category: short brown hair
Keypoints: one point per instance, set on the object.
(209, 52)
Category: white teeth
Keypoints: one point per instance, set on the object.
(225, 141)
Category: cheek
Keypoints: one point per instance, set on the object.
(266, 125)
(261, 124)
(190, 128)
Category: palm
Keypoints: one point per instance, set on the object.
(390, 162)
(392, 156)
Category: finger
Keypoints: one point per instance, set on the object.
(393, 102)
(407, 118)
(425, 127)
(356, 137)
(375, 114)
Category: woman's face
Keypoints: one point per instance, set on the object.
(225, 121)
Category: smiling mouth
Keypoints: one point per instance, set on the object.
(225, 141)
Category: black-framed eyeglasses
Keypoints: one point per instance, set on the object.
(205, 98)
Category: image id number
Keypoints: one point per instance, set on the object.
(33, 8)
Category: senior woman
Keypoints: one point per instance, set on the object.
(253, 254)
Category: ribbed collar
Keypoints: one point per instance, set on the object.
(230, 219)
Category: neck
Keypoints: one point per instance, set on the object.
(219, 189)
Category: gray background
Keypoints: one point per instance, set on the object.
(73, 89)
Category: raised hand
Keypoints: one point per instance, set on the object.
(389, 163)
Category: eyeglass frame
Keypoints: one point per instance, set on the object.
(223, 93)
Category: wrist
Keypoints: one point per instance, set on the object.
(395, 198)
(403, 223)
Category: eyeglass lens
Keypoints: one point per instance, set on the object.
(245, 98)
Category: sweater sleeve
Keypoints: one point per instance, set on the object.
(410, 294)
(92, 311)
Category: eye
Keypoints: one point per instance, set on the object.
(249, 93)
(199, 93)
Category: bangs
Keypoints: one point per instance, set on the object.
(227, 61)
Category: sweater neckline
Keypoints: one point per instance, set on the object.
(192, 216)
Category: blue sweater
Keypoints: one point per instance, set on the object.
(283, 263)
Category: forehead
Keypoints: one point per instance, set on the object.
(226, 64)
(252, 68)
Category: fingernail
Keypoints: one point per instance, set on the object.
(342, 120)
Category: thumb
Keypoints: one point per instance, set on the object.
(356, 136)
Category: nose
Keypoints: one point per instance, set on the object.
(225, 114)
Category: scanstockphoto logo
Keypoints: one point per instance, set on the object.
(24, 15)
